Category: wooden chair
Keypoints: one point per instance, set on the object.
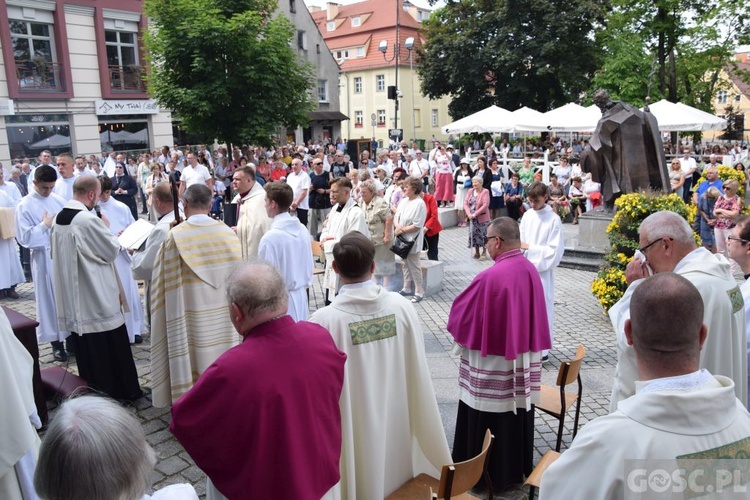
(317, 251)
(455, 479)
(535, 479)
(556, 402)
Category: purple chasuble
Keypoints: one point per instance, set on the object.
(498, 308)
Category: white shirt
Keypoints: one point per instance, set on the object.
(298, 183)
(688, 165)
(195, 175)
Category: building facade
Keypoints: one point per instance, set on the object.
(354, 34)
(72, 79)
(735, 92)
(325, 122)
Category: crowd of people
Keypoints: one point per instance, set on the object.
(342, 399)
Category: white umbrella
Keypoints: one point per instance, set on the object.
(568, 118)
(674, 117)
(527, 115)
(710, 122)
(54, 141)
(490, 120)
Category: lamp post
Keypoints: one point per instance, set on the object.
(383, 47)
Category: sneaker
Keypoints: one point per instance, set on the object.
(60, 355)
(416, 299)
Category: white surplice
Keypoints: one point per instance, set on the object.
(341, 220)
(11, 272)
(542, 230)
(745, 288)
(725, 349)
(64, 188)
(287, 246)
(690, 416)
(120, 217)
(144, 258)
(390, 422)
(34, 235)
(12, 191)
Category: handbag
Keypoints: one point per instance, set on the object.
(401, 246)
(467, 183)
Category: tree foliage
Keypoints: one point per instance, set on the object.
(686, 43)
(226, 67)
(534, 53)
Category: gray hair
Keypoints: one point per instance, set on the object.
(257, 287)
(370, 186)
(94, 449)
(198, 196)
(666, 224)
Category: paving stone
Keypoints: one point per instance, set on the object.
(578, 319)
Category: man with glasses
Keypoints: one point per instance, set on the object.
(712, 180)
(738, 244)
(420, 168)
(501, 334)
(667, 244)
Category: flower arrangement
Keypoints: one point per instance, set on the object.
(610, 284)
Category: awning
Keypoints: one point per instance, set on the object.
(327, 116)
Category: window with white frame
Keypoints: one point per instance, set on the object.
(357, 84)
(356, 22)
(331, 25)
(121, 45)
(380, 83)
(737, 97)
(360, 52)
(359, 119)
(722, 97)
(342, 54)
(322, 90)
(434, 119)
(381, 117)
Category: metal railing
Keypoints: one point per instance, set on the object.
(34, 76)
(126, 78)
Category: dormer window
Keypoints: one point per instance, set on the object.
(356, 22)
(331, 25)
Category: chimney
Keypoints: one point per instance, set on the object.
(314, 8)
(332, 10)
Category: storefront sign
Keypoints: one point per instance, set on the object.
(123, 107)
(7, 108)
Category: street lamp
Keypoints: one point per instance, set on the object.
(383, 47)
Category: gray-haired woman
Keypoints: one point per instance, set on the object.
(380, 223)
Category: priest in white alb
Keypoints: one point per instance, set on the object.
(390, 422)
(667, 244)
(11, 272)
(66, 177)
(663, 441)
(190, 327)
(120, 217)
(344, 217)
(542, 240)
(287, 247)
(252, 221)
(34, 217)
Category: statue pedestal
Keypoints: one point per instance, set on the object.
(592, 230)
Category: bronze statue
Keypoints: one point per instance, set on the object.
(625, 154)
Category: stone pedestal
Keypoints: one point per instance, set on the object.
(592, 230)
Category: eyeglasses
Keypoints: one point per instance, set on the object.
(643, 250)
(734, 238)
(498, 237)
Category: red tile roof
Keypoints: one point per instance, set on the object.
(378, 23)
(742, 85)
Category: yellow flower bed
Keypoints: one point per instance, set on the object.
(610, 284)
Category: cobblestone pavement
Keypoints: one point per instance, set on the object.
(578, 319)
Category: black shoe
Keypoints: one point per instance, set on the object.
(60, 355)
(545, 358)
(416, 299)
(138, 339)
(12, 294)
(405, 293)
(70, 346)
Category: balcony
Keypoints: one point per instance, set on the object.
(39, 75)
(126, 79)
